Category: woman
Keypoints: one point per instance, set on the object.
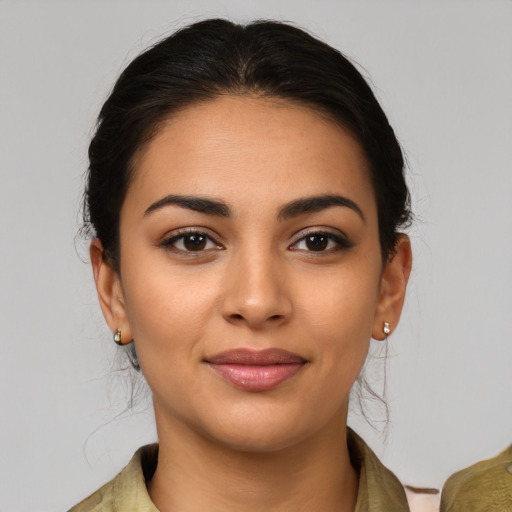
(246, 195)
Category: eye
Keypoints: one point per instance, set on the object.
(321, 242)
(191, 241)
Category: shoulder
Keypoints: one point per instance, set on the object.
(484, 486)
(127, 491)
(98, 501)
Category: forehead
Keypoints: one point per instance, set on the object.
(239, 148)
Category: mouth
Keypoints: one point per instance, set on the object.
(256, 370)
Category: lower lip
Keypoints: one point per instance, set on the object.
(254, 377)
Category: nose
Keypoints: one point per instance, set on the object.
(256, 292)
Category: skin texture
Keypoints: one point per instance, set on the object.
(256, 285)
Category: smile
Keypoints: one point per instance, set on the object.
(256, 370)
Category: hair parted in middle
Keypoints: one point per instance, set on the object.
(217, 57)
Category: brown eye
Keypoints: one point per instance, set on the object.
(194, 242)
(322, 242)
(317, 242)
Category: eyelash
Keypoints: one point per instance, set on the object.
(169, 243)
(340, 242)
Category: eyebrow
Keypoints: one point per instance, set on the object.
(197, 204)
(221, 209)
(316, 204)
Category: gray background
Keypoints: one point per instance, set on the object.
(443, 72)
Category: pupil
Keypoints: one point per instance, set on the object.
(316, 242)
(195, 242)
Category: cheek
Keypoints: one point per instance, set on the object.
(168, 309)
(168, 314)
(339, 311)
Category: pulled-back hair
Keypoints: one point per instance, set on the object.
(217, 57)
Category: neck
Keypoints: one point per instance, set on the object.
(195, 473)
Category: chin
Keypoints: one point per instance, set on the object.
(263, 431)
(260, 441)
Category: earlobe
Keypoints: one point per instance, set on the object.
(393, 284)
(110, 295)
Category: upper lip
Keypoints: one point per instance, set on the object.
(265, 357)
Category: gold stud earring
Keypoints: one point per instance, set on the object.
(117, 337)
(386, 329)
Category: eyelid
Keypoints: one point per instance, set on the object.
(340, 238)
(173, 236)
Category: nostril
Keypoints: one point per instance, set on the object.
(238, 317)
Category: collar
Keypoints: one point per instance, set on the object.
(379, 489)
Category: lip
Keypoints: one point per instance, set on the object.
(256, 370)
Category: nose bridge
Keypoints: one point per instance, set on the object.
(256, 293)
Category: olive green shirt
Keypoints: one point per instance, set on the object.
(484, 487)
(379, 489)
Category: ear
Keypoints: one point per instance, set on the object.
(110, 293)
(393, 284)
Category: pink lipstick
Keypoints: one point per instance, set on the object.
(256, 370)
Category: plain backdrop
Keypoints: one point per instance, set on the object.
(443, 72)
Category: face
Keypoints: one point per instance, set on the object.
(251, 275)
